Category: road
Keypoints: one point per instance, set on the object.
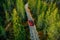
(32, 27)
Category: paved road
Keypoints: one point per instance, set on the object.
(32, 27)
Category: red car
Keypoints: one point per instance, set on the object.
(30, 22)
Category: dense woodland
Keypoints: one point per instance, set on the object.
(13, 19)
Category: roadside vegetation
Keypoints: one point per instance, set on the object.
(13, 19)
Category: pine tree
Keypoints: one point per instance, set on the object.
(2, 33)
(19, 31)
(47, 16)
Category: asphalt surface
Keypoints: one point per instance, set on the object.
(33, 31)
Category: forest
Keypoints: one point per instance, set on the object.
(14, 20)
